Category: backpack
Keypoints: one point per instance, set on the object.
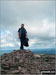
(25, 43)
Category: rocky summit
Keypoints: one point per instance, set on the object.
(25, 62)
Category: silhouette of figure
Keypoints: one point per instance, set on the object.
(22, 34)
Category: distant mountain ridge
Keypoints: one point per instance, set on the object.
(37, 51)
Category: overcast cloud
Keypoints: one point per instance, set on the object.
(39, 20)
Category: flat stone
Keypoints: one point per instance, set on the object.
(15, 71)
(21, 61)
(19, 68)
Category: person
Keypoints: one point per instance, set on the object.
(22, 34)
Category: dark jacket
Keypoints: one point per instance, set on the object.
(23, 38)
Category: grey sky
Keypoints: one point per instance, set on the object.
(39, 20)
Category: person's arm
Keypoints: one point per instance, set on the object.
(26, 35)
(19, 33)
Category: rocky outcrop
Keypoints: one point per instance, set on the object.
(26, 62)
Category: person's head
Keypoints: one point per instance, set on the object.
(22, 25)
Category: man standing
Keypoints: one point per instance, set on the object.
(22, 34)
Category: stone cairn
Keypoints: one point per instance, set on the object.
(25, 62)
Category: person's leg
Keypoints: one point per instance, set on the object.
(21, 47)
